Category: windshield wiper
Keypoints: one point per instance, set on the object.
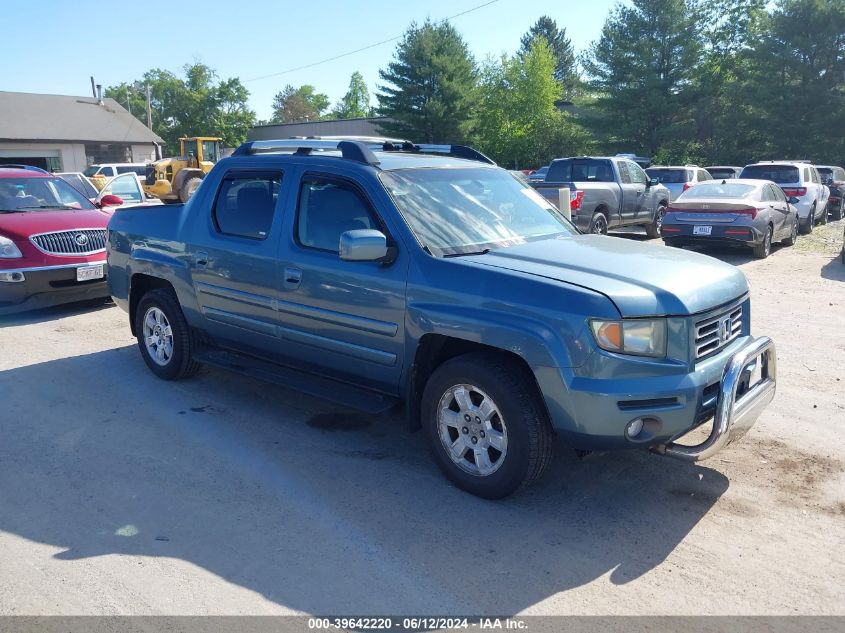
(483, 252)
(50, 206)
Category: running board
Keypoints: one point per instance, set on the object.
(364, 400)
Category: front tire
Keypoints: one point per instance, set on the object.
(486, 424)
(763, 250)
(793, 235)
(654, 229)
(164, 337)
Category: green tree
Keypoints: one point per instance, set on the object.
(797, 80)
(292, 105)
(519, 124)
(640, 69)
(566, 71)
(355, 104)
(197, 105)
(429, 87)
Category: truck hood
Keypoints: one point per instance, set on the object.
(641, 279)
(19, 226)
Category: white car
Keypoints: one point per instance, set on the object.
(798, 179)
(678, 178)
(128, 188)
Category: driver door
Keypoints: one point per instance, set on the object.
(126, 187)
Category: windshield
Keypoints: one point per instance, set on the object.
(463, 211)
(188, 148)
(669, 176)
(717, 190)
(39, 194)
(79, 183)
(781, 174)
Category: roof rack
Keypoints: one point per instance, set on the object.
(27, 167)
(357, 148)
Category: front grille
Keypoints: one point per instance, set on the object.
(75, 242)
(714, 333)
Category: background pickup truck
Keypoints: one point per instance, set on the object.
(375, 274)
(615, 191)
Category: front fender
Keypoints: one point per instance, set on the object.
(532, 340)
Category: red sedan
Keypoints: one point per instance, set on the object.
(52, 241)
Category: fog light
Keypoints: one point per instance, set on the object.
(12, 277)
(634, 427)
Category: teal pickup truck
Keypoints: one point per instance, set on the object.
(376, 273)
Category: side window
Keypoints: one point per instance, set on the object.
(126, 187)
(624, 176)
(637, 174)
(778, 193)
(107, 171)
(703, 175)
(326, 209)
(245, 204)
(769, 194)
(839, 174)
(807, 175)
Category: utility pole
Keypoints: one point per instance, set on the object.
(149, 108)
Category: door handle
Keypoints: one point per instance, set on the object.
(293, 276)
(201, 258)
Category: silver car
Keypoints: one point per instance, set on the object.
(739, 212)
(678, 179)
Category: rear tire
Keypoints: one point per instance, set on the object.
(598, 225)
(763, 250)
(807, 226)
(164, 336)
(653, 230)
(823, 219)
(188, 188)
(475, 404)
(837, 215)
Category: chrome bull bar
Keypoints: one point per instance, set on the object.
(734, 416)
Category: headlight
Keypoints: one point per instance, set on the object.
(8, 250)
(640, 337)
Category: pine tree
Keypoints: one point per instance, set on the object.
(561, 46)
(429, 87)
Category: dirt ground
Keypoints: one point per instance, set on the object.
(123, 494)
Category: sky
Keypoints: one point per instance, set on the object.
(63, 42)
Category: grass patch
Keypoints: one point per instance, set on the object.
(825, 239)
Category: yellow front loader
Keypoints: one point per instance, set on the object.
(176, 179)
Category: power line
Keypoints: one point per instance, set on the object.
(358, 50)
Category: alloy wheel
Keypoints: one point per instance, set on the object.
(472, 430)
(158, 336)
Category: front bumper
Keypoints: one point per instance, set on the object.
(49, 286)
(593, 413)
(747, 387)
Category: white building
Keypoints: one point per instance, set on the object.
(65, 133)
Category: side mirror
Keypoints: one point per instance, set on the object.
(110, 200)
(793, 200)
(652, 182)
(365, 245)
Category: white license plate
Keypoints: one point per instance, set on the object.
(701, 230)
(86, 273)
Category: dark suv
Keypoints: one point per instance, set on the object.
(834, 178)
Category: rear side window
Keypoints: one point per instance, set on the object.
(624, 175)
(107, 171)
(581, 170)
(327, 208)
(246, 203)
(781, 174)
(703, 175)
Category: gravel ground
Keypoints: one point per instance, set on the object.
(123, 494)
